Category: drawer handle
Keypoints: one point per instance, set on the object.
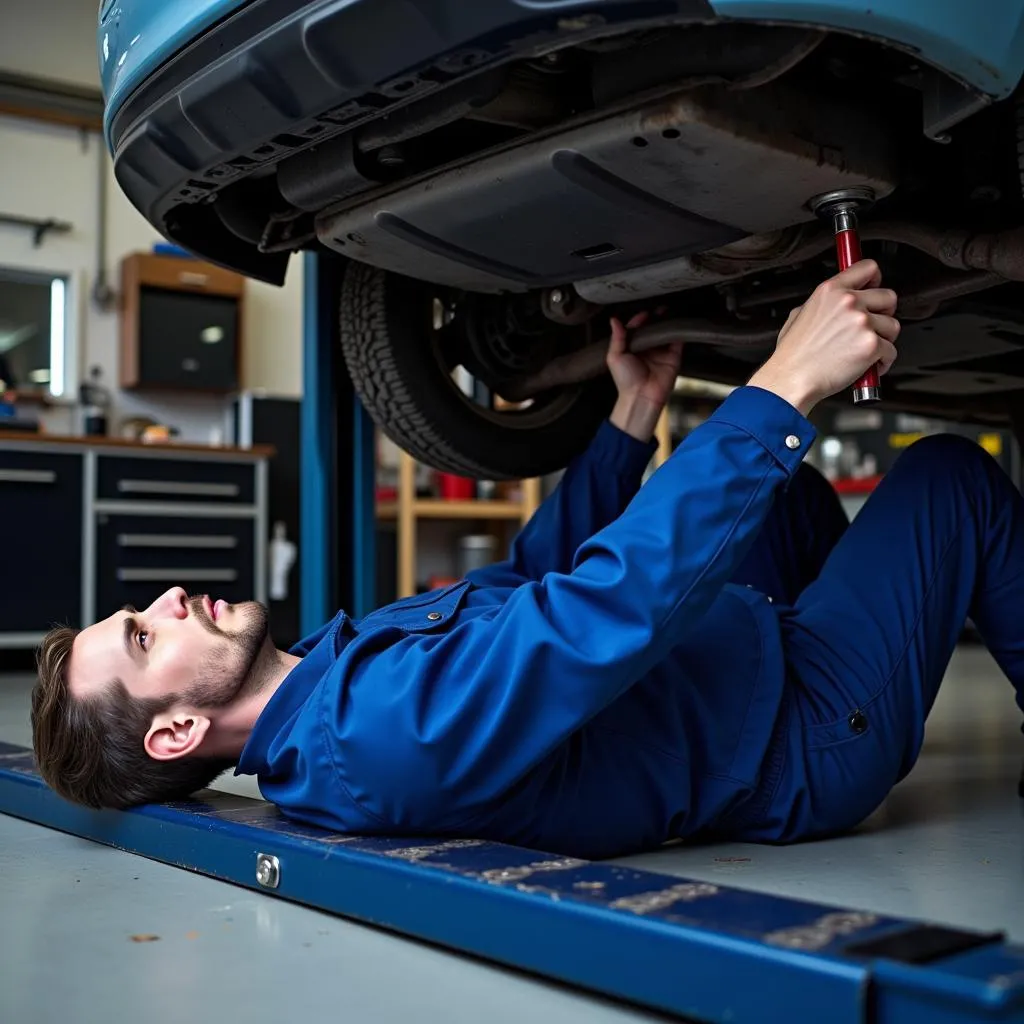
(27, 476)
(174, 540)
(176, 487)
(176, 575)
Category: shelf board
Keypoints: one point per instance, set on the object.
(440, 508)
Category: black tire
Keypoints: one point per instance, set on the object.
(387, 339)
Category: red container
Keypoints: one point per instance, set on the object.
(455, 488)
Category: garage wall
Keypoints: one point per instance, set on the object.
(53, 39)
(51, 171)
(46, 171)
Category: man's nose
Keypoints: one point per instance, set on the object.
(171, 603)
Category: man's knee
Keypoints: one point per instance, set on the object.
(949, 463)
(943, 453)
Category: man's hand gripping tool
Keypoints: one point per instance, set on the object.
(841, 207)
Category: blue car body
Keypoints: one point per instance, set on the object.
(987, 52)
(608, 150)
(136, 36)
(212, 86)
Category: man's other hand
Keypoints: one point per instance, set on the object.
(644, 379)
(844, 328)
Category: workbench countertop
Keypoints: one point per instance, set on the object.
(13, 437)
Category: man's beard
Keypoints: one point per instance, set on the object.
(233, 669)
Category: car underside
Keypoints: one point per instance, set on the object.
(495, 217)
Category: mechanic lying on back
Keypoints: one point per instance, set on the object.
(717, 652)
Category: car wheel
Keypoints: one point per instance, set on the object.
(402, 342)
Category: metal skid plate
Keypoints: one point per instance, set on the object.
(705, 952)
(677, 175)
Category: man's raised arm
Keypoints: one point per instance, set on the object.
(601, 481)
(466, 713)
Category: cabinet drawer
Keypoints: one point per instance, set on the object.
(140, 557)
(41, 522)
(175, 480)
(41, 467)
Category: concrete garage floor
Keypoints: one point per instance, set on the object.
(948, 846)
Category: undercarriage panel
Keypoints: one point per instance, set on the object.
(683, 174)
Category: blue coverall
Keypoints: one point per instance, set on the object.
(716, 652)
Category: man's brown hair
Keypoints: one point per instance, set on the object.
(91, 750)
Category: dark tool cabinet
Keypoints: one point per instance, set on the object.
(90, 527)
(40, 541)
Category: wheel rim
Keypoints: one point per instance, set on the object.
(448, 350)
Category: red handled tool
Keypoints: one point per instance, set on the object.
(841, 208)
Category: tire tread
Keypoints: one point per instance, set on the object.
(387, 371)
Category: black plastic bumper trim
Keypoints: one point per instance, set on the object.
(292, 78)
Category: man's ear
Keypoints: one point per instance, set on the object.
(175, 734)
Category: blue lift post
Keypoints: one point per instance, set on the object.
(701, 951)
(337, 550)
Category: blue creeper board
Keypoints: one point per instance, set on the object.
(702, 951)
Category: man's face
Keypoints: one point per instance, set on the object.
(201, 649)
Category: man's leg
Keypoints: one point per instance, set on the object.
(869, 641)
(801, 530)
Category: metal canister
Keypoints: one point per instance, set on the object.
(476, 550)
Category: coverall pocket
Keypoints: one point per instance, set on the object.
(851, 728)
(829, 713)
(424, 613)
(849, 763)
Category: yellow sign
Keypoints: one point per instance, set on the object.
(904, 440)
(992, 443)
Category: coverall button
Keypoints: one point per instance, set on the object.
(858, 722)
(793, 442)
(433, 616)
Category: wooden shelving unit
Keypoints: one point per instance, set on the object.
(663, 432)
(408, 509)
(697, 395)
(439, 508)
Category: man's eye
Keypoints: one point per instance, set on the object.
(142, 637)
